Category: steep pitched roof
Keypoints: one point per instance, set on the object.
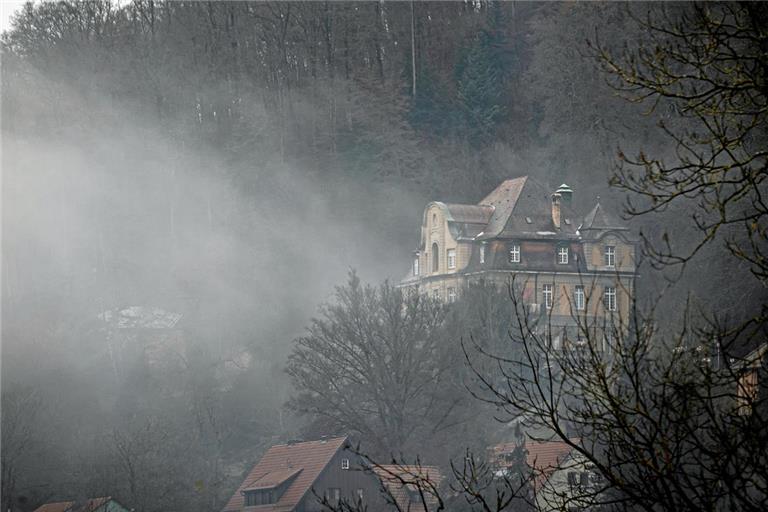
(302, 462)
(89, 505)
(393, 476)
(523, 207)
(503, 199)
(598, 218)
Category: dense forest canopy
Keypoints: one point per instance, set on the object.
(229, 162)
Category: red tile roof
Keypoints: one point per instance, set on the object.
(543, 457)
(89, 505)
(281, 463)
(393, 477)
(273, 478)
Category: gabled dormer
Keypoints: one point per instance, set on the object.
(608, 245)
(269, 487)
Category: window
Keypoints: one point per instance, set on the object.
(359, 495)
(261, 497)
(514, 253)
(416, 266)
(610, 256)
(546, 291)
(436, 293)
(609, 298)
(562, 255)
(482, 253)
(344, 463)
(434, 220)
(578, 297)
(451, 258)
(435, 258)
(451, 294)
(333, 495)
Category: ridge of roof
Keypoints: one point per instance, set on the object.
(303, 462)
(469, 213)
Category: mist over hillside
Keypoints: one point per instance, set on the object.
(223, 165)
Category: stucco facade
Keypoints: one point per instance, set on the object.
(567, 265)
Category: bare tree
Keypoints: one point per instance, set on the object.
(708, 65)
(375, 364)
(21, 409)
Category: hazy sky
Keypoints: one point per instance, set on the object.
(7, 8)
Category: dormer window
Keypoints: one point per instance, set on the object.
(562, 255)
(482, 253)
(269, 487)
(610, 256)
(344, 463)
(260, 497)
(416, 266)
(514, 253)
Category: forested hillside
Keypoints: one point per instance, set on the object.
(229, 162)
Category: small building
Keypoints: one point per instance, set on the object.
(411, 488)
(542, 457)
(562, 478)
(103, 504)
(574, 485)
(148, 334)
(750, 371)
(300, 476)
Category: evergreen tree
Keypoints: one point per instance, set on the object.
(481, 81)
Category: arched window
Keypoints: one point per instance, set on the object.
(435, 257)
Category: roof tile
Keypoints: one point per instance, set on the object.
(305, 460)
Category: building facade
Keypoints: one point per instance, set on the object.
(562, 264)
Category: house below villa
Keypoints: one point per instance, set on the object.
(103, 504)
(302, 476)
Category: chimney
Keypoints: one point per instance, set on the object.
(556, 210)
(566, 193)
